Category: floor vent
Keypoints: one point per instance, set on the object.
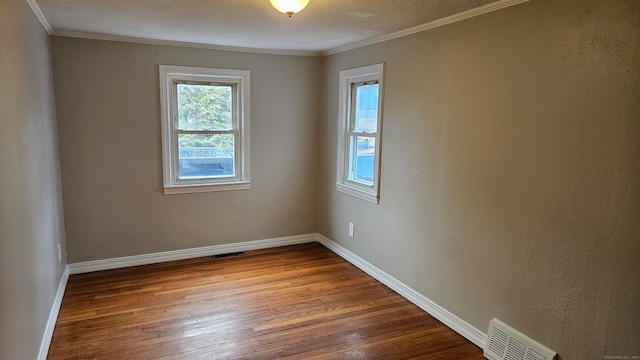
(220, 256)
(506, 343)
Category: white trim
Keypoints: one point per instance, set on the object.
(428, 26)
(137, 40)
(363, 195)
(40, 15)
(458, 325)
(53, 316)
(188, 189)
(498, 5)
(240, 81)
(343, 183)
(145, 259)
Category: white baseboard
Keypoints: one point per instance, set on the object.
(452, 321)
(153, 258)
(458, 325)
(53, 316)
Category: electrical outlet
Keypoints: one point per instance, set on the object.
(59, 254)
(352, 228)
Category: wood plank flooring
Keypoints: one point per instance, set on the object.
(294, 302)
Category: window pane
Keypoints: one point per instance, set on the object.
(362, 150)
(366, 108)
(204, 107)
(205, 155)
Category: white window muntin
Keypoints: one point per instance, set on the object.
(238, 80)
(350, 79)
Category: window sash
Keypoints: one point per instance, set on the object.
(353, 160)
(234, 101)
(352, 106)
(226, 178)
(349, 179)
(213, 178)
(176, 131)
(351, 156)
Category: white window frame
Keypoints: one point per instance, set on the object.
(371, 73)
(239, 80)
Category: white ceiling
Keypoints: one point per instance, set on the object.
(323, 26)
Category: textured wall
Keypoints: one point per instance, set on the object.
(107, 95)
(31, 221)
(510, 167)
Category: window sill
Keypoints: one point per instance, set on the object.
(187, 189)
(359, 193)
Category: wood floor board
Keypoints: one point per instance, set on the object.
(294, 302)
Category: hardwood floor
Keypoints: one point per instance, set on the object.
(294, 302)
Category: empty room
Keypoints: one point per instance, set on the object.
(321, 179)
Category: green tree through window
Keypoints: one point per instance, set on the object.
(204, 107)
(205, 129)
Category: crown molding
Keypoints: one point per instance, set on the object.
(137, 40)
(40, 15)
(498, 5)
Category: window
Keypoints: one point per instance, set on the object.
(360, 117)
(205, 129)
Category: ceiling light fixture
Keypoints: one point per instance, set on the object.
(289, 7)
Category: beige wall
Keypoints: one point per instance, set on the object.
(510, 171)
(107, 95)
(31, 221)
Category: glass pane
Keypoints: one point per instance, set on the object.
(362, 152)
(366, 109)
(205, 155)
(204, 107)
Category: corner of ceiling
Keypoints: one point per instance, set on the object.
(40, 15)
(501, 4)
